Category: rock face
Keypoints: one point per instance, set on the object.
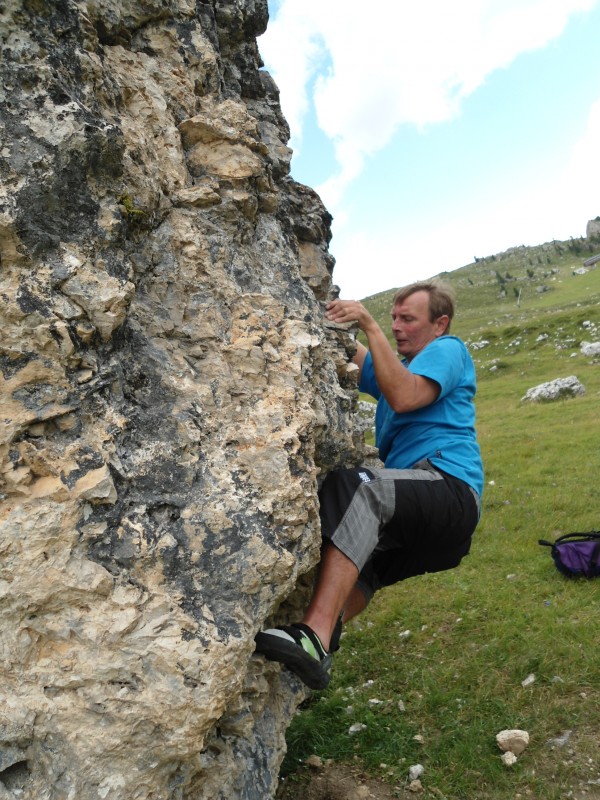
(169, 395)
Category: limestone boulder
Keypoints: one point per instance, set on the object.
(558, 389)
(170, 400)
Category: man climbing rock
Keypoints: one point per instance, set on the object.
(419, 512)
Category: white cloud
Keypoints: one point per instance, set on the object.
(384, 258)
(369, 72)
(293, 52)
(582, 174)
(401, 63)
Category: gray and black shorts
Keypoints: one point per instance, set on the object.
(398, 523)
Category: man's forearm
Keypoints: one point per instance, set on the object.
(403, 390)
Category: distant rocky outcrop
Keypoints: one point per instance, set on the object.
(170, 397)
(592, 229)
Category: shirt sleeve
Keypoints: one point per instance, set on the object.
(442, 361)
(368, 384)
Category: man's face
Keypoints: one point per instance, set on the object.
(411, 326)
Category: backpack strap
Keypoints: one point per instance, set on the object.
(566, 537)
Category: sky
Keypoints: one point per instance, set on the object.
(435, 131)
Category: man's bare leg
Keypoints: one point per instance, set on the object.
(355, 603)
(335, 584)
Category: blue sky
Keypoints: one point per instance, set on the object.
(436, 132)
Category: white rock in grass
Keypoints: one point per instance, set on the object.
(514, 741)
(555, 390)
(356, 728)
(590, 348)
(416, 771)
(508, 758)
(528, 680)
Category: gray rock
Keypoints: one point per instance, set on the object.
(592, 228)
(558, 389)
(170, 397)
(513, 741)
(590, 348)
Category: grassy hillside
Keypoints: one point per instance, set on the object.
(435, 668)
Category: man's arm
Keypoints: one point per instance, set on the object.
(403, 390)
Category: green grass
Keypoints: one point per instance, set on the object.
(478, 631)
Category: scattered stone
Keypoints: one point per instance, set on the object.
(508, 758)
(514, 741)
(555, 390)
(528, 681)
(560, 741)
(365, 415)
(415, 786)
(416, 771)
(590, 348)
(314, 762)
(357, 727)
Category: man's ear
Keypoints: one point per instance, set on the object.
(442, 324)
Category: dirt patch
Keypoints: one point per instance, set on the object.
(327, 780)
(330, 781)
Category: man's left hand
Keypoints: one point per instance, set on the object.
(343, 311)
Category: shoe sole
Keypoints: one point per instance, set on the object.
(311, 672)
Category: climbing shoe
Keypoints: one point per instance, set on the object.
(299, 648)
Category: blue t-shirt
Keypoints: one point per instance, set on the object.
(443, 432)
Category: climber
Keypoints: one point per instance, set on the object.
(418, 513)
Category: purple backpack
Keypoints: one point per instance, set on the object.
(576, 554)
